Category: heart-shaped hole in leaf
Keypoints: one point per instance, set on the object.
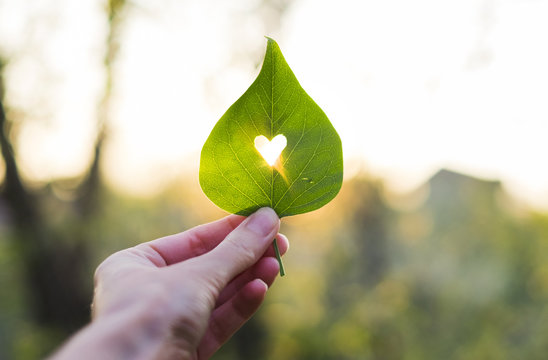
(270, 150)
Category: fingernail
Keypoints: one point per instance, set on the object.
(263, 221)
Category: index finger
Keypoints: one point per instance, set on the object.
(194, 242)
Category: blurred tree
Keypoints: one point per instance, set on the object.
(363, 257)
(53, 268)
(55, 257)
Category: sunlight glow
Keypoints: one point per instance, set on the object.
(270, 150)
(409, 86)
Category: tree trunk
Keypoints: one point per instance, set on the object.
(52, 269)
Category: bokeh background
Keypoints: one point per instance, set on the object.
(437, 245)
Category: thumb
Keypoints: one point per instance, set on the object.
(242, 248)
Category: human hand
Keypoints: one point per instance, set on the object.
(181, 296)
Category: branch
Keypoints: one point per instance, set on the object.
(89, 188)
(13, 189)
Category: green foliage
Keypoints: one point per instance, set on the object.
(369, 279)
(309, 172)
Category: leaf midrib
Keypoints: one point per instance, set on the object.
(272, 125)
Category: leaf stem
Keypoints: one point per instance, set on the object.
(279, 257)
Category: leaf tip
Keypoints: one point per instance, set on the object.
(271, 42)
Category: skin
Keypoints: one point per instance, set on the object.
(181, 296)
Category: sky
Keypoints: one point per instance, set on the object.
(411, 86)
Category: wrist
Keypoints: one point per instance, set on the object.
(136, 332)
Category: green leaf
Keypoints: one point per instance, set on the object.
(309, 171)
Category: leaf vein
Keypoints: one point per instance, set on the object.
(230, 182)
(246, 170)
(307, 163)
